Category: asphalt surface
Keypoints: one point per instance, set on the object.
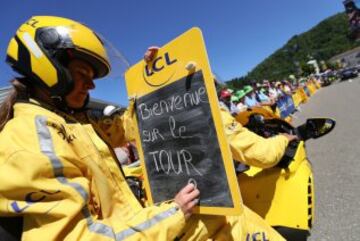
(336, 161)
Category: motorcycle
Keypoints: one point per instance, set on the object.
(283, 195)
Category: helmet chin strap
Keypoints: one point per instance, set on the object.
(61, 104)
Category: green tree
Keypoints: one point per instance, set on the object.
(330, 37)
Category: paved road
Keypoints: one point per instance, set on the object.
(336, 161)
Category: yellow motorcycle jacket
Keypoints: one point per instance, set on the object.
(61, 177)
(250, 148)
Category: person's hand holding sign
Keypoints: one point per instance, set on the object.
(187, 198)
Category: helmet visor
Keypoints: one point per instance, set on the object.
(111, 88)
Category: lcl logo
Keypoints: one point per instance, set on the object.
(32, 198)
(158, 64)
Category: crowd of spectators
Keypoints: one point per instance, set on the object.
(257, 94)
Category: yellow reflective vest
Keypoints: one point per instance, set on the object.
(62, 178)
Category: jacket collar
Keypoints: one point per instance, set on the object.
(34, 108)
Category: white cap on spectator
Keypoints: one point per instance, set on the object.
(121, 155)
(109, 110)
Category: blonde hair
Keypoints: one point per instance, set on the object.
(19, 91)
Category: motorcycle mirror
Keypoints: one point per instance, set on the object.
(315, 128)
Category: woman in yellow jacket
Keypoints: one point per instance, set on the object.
(55, 170)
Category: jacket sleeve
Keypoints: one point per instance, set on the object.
(250, 148)
(56, 201)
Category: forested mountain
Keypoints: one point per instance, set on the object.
(330, 37)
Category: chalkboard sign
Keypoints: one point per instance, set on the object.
(179, 142)
(180, 136)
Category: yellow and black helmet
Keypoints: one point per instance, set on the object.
(42, 47)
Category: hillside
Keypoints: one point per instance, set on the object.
(328, 38)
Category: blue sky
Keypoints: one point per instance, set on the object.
(238, 34)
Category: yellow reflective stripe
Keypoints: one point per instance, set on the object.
(47, 148)
(146, 225)
(95, 227)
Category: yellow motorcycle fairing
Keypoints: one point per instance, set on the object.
(283, 197)
(133, 170)
(266, 112)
